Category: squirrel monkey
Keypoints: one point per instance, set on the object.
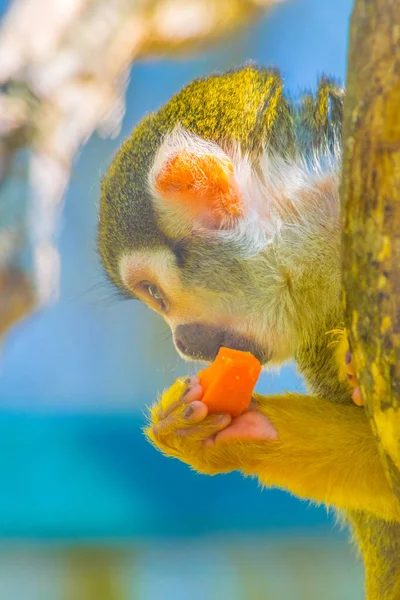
(221, 213)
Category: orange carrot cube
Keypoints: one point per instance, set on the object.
(229, 381)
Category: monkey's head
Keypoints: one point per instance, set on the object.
(218, 216)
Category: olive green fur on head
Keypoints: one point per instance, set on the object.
(245, 106)
(320, 116)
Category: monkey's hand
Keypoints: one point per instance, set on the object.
(315, 448)
(180, 426)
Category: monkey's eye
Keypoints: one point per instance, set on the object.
(154, 292)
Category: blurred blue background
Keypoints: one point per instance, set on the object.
(85, 500)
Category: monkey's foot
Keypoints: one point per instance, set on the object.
(353, 381)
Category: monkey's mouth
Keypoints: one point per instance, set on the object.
(201, 341)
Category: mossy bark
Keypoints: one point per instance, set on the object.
(371, 217)
(370, 197)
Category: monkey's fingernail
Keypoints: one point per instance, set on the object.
(348, 357)
(193, 392)
(190, 382)
(188, 411)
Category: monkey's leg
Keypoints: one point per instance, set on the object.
(324, 451)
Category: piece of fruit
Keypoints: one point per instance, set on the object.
(229, 381)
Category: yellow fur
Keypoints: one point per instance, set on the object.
(317, 442)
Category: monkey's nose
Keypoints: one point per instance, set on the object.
(198, 340)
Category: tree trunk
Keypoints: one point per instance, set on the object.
(371, 217)
(371, 258)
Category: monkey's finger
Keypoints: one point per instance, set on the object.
(215, 424)
(350, 373)
(356, 396)
(195, 412)
(192, 392)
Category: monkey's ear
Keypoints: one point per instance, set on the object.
(203, 184)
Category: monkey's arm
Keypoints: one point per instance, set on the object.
(324, 452)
